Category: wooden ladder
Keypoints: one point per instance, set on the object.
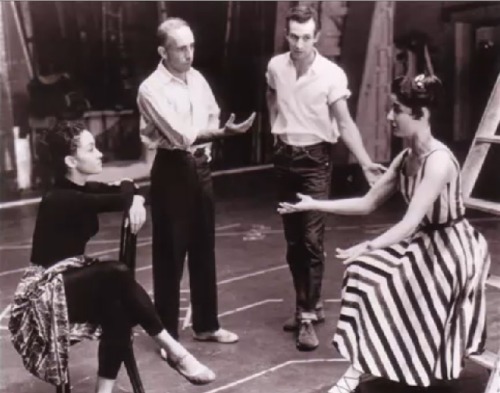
(484, 138)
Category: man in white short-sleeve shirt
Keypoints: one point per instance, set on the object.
(307, 102)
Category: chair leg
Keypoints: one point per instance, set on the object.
(133, 371)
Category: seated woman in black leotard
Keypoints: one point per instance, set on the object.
(64, 295)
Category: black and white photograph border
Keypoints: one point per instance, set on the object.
(97, 56)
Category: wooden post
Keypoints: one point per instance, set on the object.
(280, 29)
(22, 38)
(227, 34)
(162, 11)
(7, 158)
(332, 16)
(464, 36)
(375, 86)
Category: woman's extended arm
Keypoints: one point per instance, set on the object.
(439, 170)
(379, 193)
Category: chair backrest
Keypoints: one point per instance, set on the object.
(128, 245)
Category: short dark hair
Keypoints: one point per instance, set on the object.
(62, 141)
(302, 14)
(417, 92)
(166, 27)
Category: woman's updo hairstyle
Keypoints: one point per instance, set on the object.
(61, 141)
(417, 89)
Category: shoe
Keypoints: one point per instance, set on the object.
(222, 336)
(190, 368)
(292, 323)
(306, 337)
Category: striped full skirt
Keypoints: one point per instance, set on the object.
(412, 312)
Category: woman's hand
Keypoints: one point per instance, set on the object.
(351, 254)
(305, 203)
(137, 214)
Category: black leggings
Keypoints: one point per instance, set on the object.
(106, 294)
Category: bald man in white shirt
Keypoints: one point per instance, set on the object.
(181, 118)
(307, 102)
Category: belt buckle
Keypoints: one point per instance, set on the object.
(199, 152)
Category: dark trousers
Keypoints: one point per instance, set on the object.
(305, 170)
(182, 210)
(106, 293)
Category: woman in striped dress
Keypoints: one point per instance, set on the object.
(412, 298)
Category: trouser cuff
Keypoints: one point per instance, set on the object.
(308, 315)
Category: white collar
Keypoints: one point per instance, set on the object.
(314, 65)
(170, 77)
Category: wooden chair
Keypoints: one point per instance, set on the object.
(127, 254)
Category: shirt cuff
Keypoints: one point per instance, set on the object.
(270, 81)
(338, 94)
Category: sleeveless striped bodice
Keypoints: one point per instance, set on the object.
(448, 207)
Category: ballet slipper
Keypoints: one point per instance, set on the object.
(346, 384)
(191, 369)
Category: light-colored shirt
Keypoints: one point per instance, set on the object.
(173, 112)
(303, 104)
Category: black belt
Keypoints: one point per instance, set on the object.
(437, 227)
(285, 147)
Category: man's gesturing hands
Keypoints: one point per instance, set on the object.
(238, 128)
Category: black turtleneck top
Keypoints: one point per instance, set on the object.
(67, 217)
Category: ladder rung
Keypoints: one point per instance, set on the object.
(481, 204)
(487, 359)
(494, 281)
(488, 139)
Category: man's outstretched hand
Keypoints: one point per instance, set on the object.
(373, 172)
(239, 128)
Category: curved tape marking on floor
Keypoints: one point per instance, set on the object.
(273, 369)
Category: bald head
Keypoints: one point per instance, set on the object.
(176, 46)
(167, 27)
